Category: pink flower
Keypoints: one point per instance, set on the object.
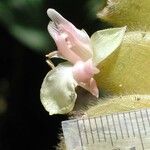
(74, 45)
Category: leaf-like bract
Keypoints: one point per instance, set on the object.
(105, 42)
(58, 90)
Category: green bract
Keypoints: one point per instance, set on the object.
(58, 90)
(104, 42)
(58, 94)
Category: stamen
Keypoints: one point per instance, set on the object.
(51, 54)
(49, 62)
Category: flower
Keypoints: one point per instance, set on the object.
(74, 45)
(83, 55)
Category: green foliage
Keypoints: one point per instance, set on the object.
(93, 6)
(26, 21)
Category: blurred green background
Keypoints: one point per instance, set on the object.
(24, 41)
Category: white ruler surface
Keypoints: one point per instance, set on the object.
(119, 131)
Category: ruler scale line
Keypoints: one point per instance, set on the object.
(114, 126)
(120, 126)
(147, 117)
(81, 142)
(91, 129)
(143, 122)
(97, 129)
(86, 136)
(103, 128)
(109, 130)
(131, 124)
(125, 124)
(139, 130)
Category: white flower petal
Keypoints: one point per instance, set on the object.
(56, 17)
(57, 93)
(104, 42)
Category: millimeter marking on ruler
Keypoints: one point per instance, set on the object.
(109, 131)
(79, 133)
(127, 130)
(139, 131)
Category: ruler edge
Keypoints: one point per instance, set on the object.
(109, 114)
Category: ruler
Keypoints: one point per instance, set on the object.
(119, 131)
